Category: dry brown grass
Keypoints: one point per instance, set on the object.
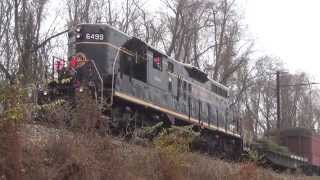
(75, 156)
(72, 156)
(86, 117)
(10, 152)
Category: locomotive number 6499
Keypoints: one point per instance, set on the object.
(95, 36)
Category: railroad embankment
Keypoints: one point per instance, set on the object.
(47, 152)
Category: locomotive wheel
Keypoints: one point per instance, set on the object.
(208, 144)
(115, 121)
(122, 122)
(128, 117)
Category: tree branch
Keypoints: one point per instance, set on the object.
(49, 39)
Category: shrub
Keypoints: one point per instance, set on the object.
(273, 147)
(172, 144)
(174, 141)
(81, 115)
(13, 113)
(86, 116)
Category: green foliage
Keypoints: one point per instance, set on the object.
(174, 141)
(273, 147)
(13, 113)
(50, 106)
(12, 100)
(255, 156)
(150, 132)
(173, 144)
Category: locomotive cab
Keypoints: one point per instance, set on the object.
(102, 47)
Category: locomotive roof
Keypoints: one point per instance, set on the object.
(298, 131)
(158, 50)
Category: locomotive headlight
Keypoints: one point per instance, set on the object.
(78, 36)
(45, 93)
(81, 89)
(78, 29)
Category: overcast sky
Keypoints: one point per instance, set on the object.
(288, 29)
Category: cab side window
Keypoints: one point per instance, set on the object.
(157, 61)
(170, 67)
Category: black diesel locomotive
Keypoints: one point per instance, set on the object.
(130, 76)
(137, 86)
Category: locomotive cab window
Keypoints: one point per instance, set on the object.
(170, 67)
(157, 61)
(125, 63)
(134, 63)
(225, 93)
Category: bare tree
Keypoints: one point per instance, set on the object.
(6, 52)
(22, 41)
(28, 16)
(230, 51)
(255, 95)
(199, 28)
(78, 11)
(296, 101)
(185, 21)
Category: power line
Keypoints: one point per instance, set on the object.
(301, 84)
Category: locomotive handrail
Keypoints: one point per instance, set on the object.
(112, 81)
(101, 79)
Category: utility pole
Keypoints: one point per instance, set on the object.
(311, 108)
(278, 101)
(278, 86)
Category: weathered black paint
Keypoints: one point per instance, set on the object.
(190, 91)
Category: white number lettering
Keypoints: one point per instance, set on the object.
(101, 37)
(94, 36)
(88, 36)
